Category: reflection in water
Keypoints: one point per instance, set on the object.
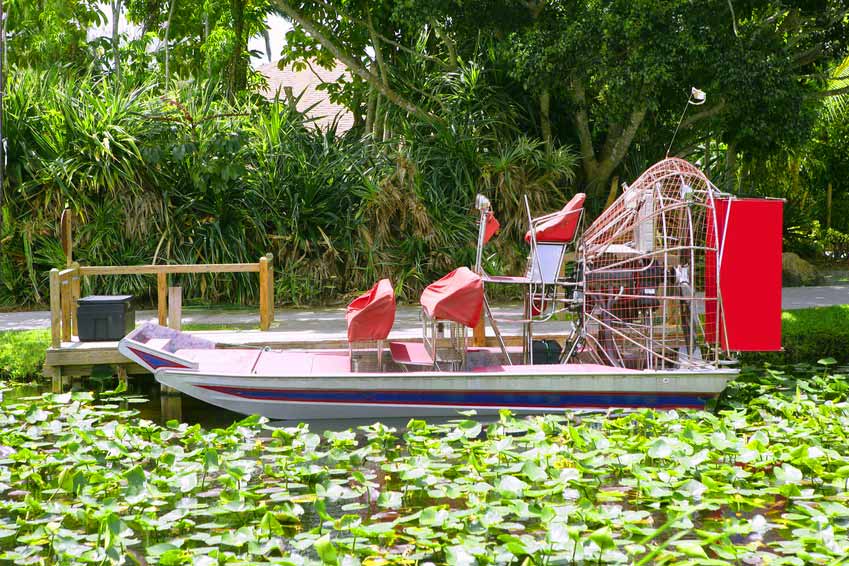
(204, 414)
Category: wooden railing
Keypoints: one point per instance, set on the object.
(65, 290)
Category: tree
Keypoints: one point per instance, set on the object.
(204, 38)
(598, 74)
(51, 33)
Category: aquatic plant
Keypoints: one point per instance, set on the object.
(85, 482)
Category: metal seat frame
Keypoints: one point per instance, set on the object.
(543, 278)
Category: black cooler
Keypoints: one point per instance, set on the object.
(105, 317)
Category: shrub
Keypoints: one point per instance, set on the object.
(22, 353)
(817, 242)
(191, 178)
(809, 335)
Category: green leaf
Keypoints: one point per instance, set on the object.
(326, 550)
(603, 538)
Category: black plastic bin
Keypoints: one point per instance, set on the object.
(103, 318)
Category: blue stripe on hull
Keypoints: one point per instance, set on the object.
(156, 362)
(489, 399)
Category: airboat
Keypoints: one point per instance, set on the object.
(657, 296)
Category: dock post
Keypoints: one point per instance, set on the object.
(76, 281)
(162, 298)
(270, 257)
(57, 383)
(264, 322)
(122, 377)
(65, 297)
(170, 402)
(55, 310)
(479, 332)
(175, 307)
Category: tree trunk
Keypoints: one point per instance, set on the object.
(379, 117)
(730, 167)
(238, 68)
(370, 110)
(116, 56)
(614, 190)
(167, 50)
(599, 167)
(545, 118)
(828, 207)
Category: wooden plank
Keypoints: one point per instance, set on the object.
(270, 287)
(86, 371)
(175, 307)
(67, 242)
(75, 295)
(55, 309)
(154, 269)
(71, 357)
(162, 298)
(264, 322)
(65, 274)
(65, 293)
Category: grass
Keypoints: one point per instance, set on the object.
(22, 353)
(809, 335)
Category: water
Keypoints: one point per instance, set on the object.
(208, 416)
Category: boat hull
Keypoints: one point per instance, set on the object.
(541, 389)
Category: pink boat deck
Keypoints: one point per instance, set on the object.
(302, 364)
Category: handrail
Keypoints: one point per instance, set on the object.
(169, 268)
(65, 289)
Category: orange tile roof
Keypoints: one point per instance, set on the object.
(315, 103)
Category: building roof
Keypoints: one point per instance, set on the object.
(315, 103)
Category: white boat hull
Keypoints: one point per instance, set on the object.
(372, 396)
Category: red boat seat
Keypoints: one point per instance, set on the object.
(559, 226)
(457, 297)
(371, 315)
(492, 226)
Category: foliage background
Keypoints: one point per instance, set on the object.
(165, 153)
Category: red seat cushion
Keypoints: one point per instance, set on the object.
(492, 226)
(371, 315)
(562, 225)
(457, 297)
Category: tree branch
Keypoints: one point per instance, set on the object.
(352, 64)
(620, 147)
(583, 123)
(378, 52)
(833, 92)
(709, 113)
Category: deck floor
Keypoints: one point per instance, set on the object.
(78, 358)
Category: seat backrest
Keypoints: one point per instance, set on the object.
(562, 225)
(371, 315)
(548, 263)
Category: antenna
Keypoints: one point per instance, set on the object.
(697, 98)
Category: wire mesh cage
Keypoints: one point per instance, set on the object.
(366, 356)
(647, 267)
(445, 342)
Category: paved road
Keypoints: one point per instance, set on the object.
(305, 323)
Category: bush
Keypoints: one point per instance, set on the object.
(817, 242)
(22, 353)
(191, 178)
(809, 335)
